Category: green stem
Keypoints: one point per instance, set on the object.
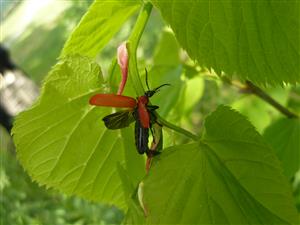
(177, 129)
(132, 45)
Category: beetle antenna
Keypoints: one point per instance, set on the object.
(157, 89)
(147, 79)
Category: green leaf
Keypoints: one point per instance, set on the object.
(294, 99)
(166, 69)
(255, 40)
(167, 50)
(284, 136)
(168, 96)
(230, 177)
(134, 214)
(296, 189)
(134, 162)
(62, 142)
(255, 109)
(103, 19)
(193, 92)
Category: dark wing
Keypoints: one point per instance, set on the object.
(141, 137)
(119, 120)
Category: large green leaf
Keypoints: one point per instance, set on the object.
(284, 136)
(255, 40)
(230, 177)
(62, 142)
(103, 19)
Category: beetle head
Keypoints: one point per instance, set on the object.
(150, 93)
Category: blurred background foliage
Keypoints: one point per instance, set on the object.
(35, 31)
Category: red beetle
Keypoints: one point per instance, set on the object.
(138, 110)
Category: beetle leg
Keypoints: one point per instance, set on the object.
(152, 132)
(152, 107)
(152, 117)
(151, 153)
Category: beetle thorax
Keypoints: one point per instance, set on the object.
(143, 100)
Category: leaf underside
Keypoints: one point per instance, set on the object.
(255, 40)
(230, 177)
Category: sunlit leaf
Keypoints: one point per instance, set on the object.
(62, 141)
(103, 19)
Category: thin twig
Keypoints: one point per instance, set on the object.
(267, 98)
(249, 87)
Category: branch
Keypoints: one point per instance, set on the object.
(249, 87)
(267, 98)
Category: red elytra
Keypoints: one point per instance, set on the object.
(143, 113)
(120, 101)
(113, 100)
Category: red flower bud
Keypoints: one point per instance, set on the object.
(123, 63)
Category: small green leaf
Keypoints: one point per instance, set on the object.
(255, 40)
(62, 142)
(284, 136)
(230, 177)
(102, 20)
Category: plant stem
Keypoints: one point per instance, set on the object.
(177, 129)
(249, 87)
(132, 45)
(267, 98)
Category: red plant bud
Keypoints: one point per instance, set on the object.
(123, 63)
